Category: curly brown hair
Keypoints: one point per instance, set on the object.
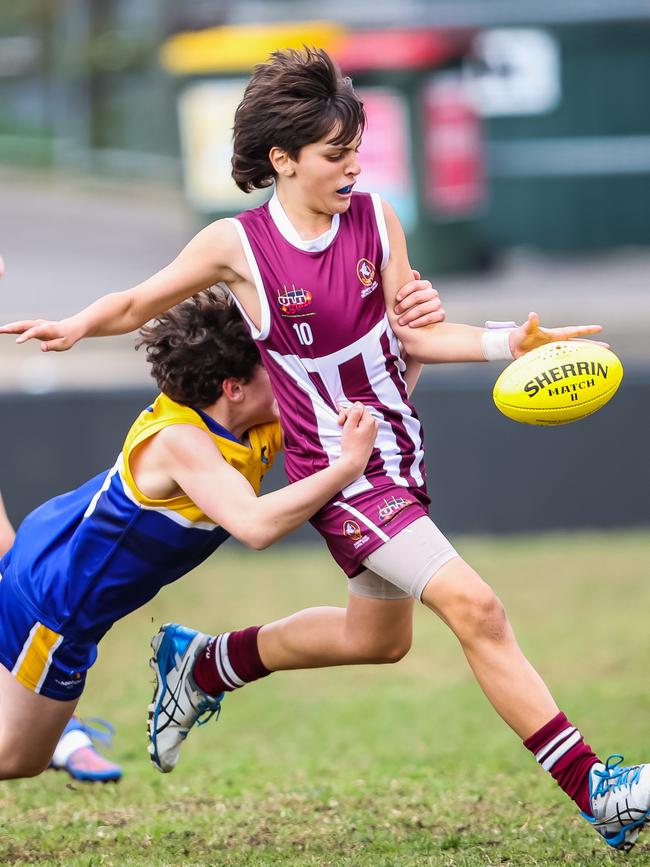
(291, 101)
(196, 345)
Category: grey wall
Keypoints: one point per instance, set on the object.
(486, 473)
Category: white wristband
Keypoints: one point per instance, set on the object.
(495, 341)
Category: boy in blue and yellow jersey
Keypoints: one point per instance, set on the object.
(75, 752)
(186, 478)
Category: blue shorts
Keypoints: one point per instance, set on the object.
(40, 658)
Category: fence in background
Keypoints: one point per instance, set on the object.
(486, 473)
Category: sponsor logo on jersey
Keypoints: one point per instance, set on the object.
(294, 302)
(390, 507)
(366, 273)
(68, 684)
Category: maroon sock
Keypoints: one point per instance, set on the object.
(229, 661)
(559, 748)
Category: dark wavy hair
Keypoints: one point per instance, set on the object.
(197, 344)
(291, 101)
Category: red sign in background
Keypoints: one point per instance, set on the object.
(455, 179)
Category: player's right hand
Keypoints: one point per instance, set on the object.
(530, 335)
(54, 336)
(359, 434)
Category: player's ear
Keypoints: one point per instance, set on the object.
(233, 389)
(281, 162)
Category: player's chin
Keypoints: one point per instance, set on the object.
(340, 203)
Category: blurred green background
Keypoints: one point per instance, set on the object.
(371, 766)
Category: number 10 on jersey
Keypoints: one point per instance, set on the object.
(303, 330)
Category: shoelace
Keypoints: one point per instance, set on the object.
(613, 777)
(103, 735)
(206, 712)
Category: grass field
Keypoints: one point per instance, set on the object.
(386, 765)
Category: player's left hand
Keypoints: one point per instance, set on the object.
(418, 303)
(530, 335)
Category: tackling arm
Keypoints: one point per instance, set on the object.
(197, 466)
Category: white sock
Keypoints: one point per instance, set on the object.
(67, 745)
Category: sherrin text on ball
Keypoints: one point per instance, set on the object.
(558, 383)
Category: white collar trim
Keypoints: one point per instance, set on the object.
(289, 232)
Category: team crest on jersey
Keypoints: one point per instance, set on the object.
(294, 302)
(366, 272)
(391, 506)
(352, 530)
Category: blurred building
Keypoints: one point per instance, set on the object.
(562, 161)
(493, 124)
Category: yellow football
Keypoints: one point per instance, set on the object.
(558, 383)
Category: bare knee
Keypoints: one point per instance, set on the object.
(474, 611)
(14, 767)
(381, 651)
(391, 653)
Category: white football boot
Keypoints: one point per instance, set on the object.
(177, 703)
(620, 801)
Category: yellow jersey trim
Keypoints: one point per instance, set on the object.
(252, 460)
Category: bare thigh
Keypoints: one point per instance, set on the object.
(30, 727)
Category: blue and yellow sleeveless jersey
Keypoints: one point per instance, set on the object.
(87, 558)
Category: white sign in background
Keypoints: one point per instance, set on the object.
(514, 71)
(206, 113)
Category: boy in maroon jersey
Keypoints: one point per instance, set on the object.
(340, 258)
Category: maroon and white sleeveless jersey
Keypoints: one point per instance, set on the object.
(326, 341)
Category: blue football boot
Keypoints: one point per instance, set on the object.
(620, 801)
(76, 753)
(177, 703)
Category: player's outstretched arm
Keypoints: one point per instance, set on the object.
(221, 492)
(202, 263)
(530, 335)
(435, 342)
(447, 341)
